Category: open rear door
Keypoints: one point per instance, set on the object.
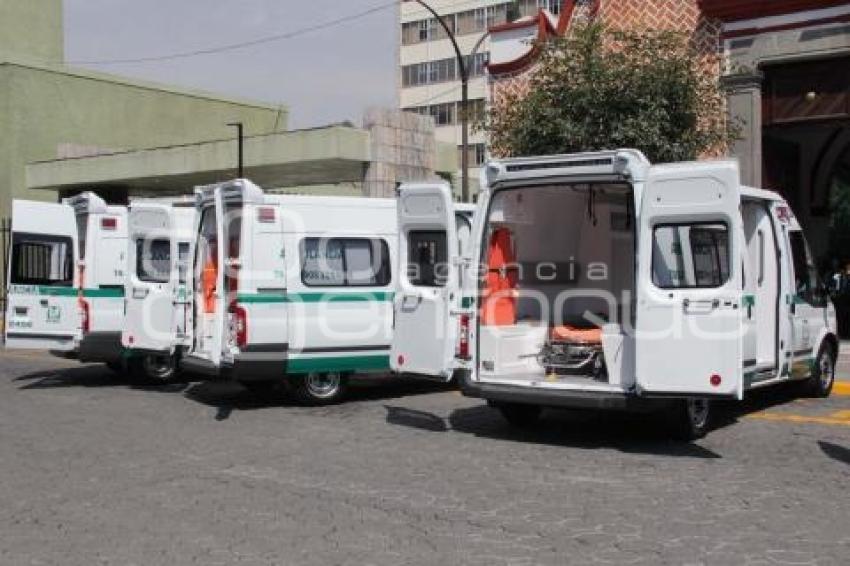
(689, 289)
(426, 331)
(42, 308)
(151, 280)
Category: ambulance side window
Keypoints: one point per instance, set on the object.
(153, 260)
(41, 260)
(687, 256)
(345, 262)
(427, 258)
(806, 281)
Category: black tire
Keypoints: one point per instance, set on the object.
(823, 373)
(155, 369)
(689, 419)
(320, 388)
(521, 415)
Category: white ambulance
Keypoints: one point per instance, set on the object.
(599, 280)
(291, 288)
(157, 312)
(304, 292)
(65, 278)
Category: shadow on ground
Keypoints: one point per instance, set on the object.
(224, 396)
(227, 397)
(94, 375)
(627, 432)
(836, 452)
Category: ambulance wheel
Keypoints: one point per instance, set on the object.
(155, 368)
(321, 388)
(520, 415)
(689, 419)
(823, 373)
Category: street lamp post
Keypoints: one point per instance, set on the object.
(464, 94)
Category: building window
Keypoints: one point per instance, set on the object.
(425, 30)
(531, 7)
(476, 20)
(477, 154)
(450, 113)
(442, 70)
(477, 64)
(443, 114)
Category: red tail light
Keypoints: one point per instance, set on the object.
(463, 338)
(240, 324)
(85, 316)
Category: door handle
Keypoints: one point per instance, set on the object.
(43, 302)
(406, 301)
(703, 306)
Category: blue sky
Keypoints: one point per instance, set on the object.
(325, 76)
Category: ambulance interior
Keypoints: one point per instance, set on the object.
(557, 283)
(210, 259)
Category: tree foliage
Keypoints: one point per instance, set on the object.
(600, 89)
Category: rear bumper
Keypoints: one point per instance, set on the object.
(101, 347)
(254, 363)
(595, 400)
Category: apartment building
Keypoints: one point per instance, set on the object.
(429, 77)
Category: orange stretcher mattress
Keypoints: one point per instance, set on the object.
(568, 333)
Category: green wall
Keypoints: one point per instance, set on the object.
(51, 107)
(32, 29)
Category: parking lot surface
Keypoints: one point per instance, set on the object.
(97, 470)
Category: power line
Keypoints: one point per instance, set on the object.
(244, 44)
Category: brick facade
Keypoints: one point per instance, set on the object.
(683, 16)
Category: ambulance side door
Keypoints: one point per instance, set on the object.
(425, 331)
(806, 306)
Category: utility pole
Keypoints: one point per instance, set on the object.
(463, 68)
(240, 139)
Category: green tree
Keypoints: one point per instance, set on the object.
(600, 89)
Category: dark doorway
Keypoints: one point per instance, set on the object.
(806, 148)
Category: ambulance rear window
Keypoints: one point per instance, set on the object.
(42, 260)
(153, 260)
(690, 255)
(427, 262)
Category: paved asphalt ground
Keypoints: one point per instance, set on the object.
(96, 470)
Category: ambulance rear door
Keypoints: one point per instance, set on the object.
(42, 309)
(151, 281)
(425, 332)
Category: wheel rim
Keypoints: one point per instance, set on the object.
(827, 370)
(698, 412)
(158, 367)
(323, 385)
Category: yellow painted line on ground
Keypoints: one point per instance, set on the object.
(840, 418)
(841, 388)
